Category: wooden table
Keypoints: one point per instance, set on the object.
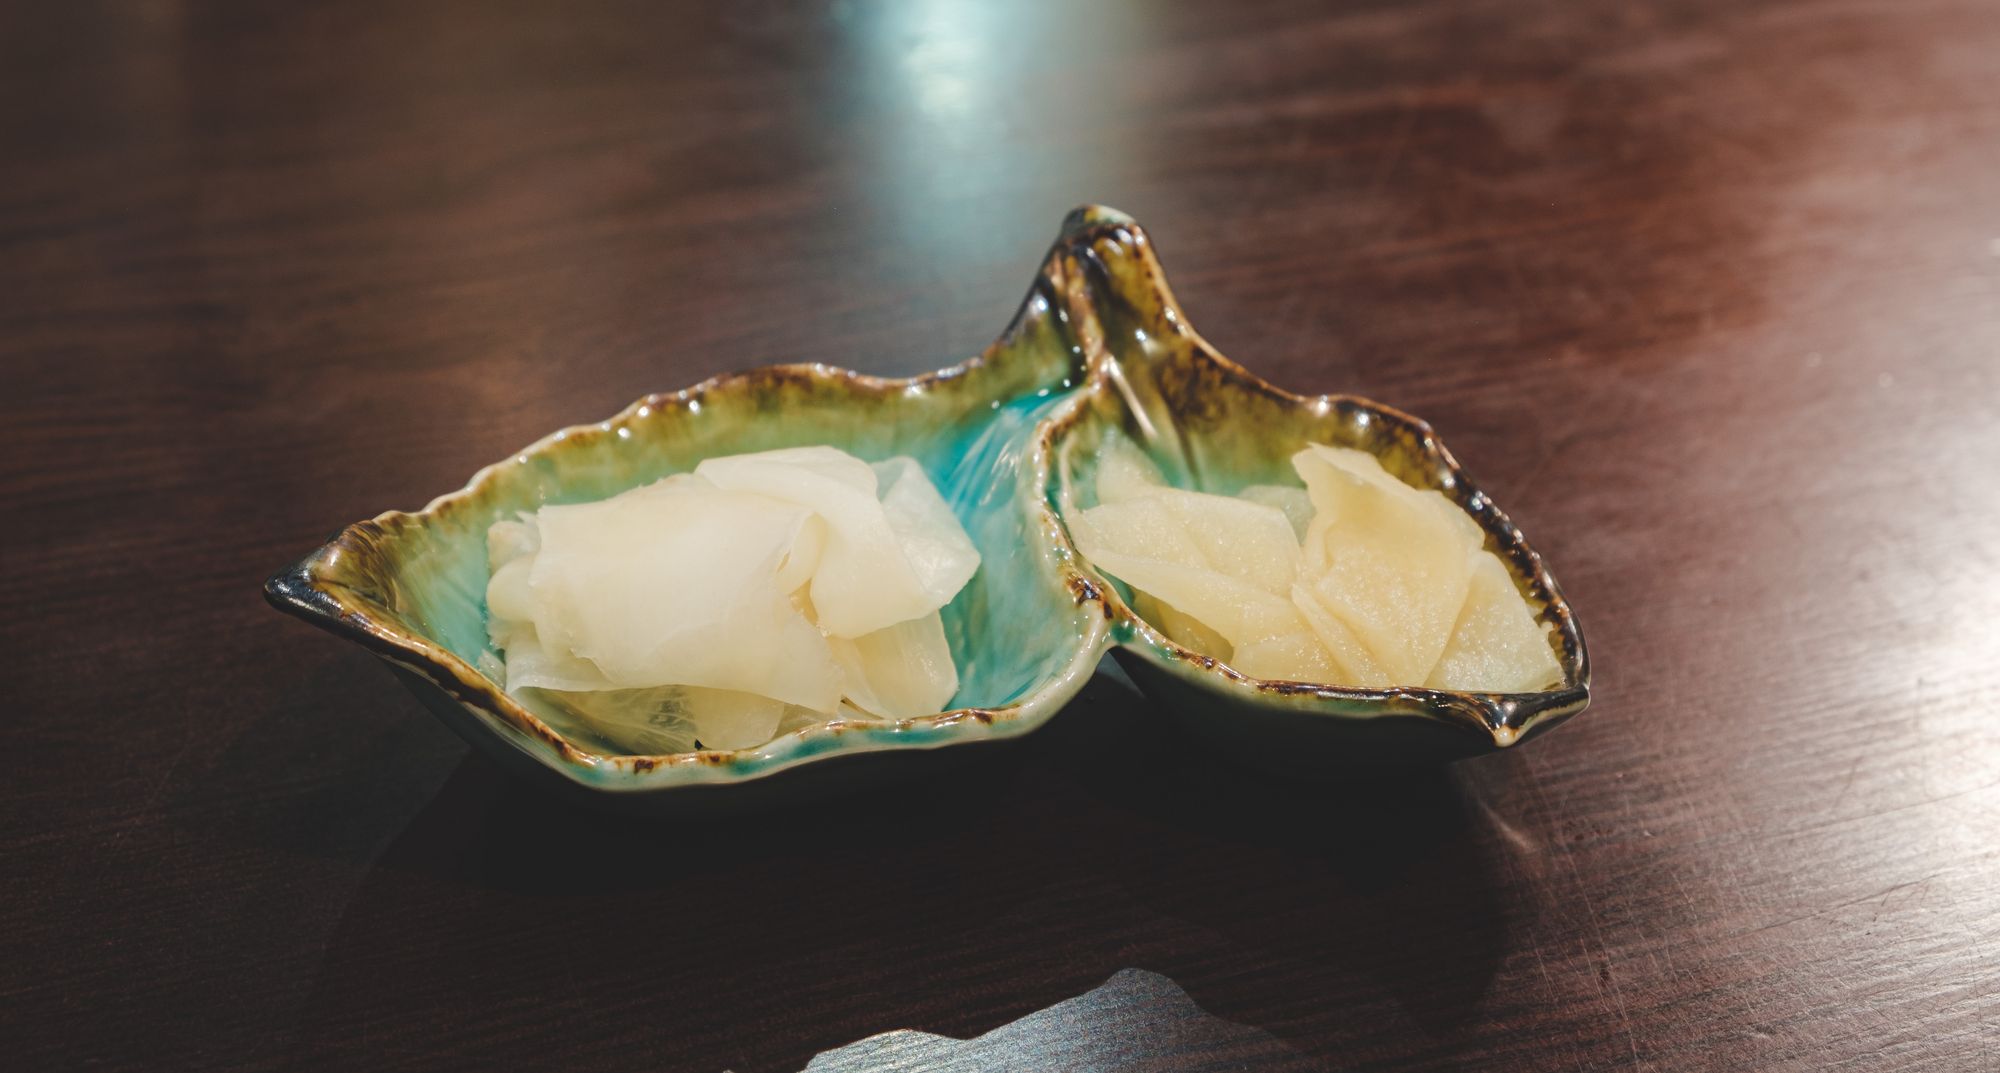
(1706, 293)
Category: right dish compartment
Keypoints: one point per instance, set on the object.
(1302, 581)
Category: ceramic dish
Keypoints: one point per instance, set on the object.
(1098, 341)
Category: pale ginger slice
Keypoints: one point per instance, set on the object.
(1239, 612)
(1295, 503)
(1388, 562)
(1243, 541)
(509, 599)
(511, 604)
(1295, 657)
(900, 672)
(1124, 472)
(1213, 573)
(929, 534)
(510, 620)
(1180, 627)
(530, 665)
(801, 561)
(676, 584)
(1247, 541)
(730, 719)
(1356, 662)
(510, 539)
(862, 582)
(1496, 646)
(1142, 527)
(1316, 458)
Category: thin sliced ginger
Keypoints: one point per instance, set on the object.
(1356, 579)
(718, 608)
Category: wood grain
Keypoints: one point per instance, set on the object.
(1706, 293)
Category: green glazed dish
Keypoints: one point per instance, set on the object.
(1097, 343)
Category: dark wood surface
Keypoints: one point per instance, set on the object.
(1706, 293)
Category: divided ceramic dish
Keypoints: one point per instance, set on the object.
(1007, 436)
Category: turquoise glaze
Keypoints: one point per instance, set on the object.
(1098, 342)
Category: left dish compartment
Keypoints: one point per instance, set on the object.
(1025, 631)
